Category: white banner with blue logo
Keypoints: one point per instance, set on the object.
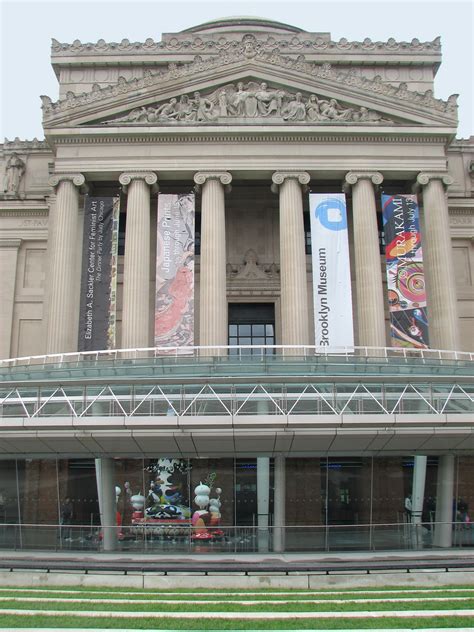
(331, 271)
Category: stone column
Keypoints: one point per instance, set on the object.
(294, 290)
(105, 473)
(438, 263)
(136, 272)
(213, 288)
(61, 337)
(443, 534)
(370, 298)
(8, 262)
(279, 501)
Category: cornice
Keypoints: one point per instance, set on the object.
(72, 137)
(265, 59)
(25, 145)
(209, 43)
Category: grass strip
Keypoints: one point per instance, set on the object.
(157, 607)
(159, 601)
(43, 621)
(264, 591)
(232, 597)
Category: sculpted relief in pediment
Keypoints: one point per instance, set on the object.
(246, 103)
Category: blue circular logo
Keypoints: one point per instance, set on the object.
(332, 214)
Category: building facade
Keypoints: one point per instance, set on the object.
(217, 410)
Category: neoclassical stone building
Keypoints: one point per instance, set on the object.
(246, 119)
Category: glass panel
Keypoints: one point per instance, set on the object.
(258, 330)
(245, 330)
(349, 503)
(232, 330)
(269, 330)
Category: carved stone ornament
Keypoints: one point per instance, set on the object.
(252, 270)
(267, 58)
(248, 101)
(199, 42)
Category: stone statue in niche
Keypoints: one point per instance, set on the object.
(250, 101)
(14, 171)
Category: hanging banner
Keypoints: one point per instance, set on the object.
(99, 274)
(331, 271)
(405, 274)
(174, 300)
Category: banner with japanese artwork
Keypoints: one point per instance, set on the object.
(405, 274)
(332, 292)
(174, 298)
(97, 317)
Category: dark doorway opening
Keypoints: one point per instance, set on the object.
(251, 324)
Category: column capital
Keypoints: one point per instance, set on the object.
(280, 176)
(224, 177)
(352, 177)
(148, 176)
(77, 179)
(424, 178)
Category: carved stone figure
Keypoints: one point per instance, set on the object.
(13, 174)
(295, 110)
(249, 101)
(269, 101)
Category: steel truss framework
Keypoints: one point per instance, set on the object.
(137, 383)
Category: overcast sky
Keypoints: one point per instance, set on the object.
(28, 26)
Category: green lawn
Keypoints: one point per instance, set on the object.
(271, 601)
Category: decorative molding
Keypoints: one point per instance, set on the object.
(201, 43)
(13, 244)
(33, 214)
(246, 103)
(268, 59)
(424, 178)
(354, 176)
(76, 178)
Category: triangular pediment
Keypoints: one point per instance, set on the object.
(273, 91)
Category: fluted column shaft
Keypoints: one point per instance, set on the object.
(213, 289)
(370, 299)
(438, 263)
(61, 337)
(294, 292)
(136, 272)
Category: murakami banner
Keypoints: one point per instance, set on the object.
(331, 271)
(174, 301)
(405, 274)
(99, 274)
